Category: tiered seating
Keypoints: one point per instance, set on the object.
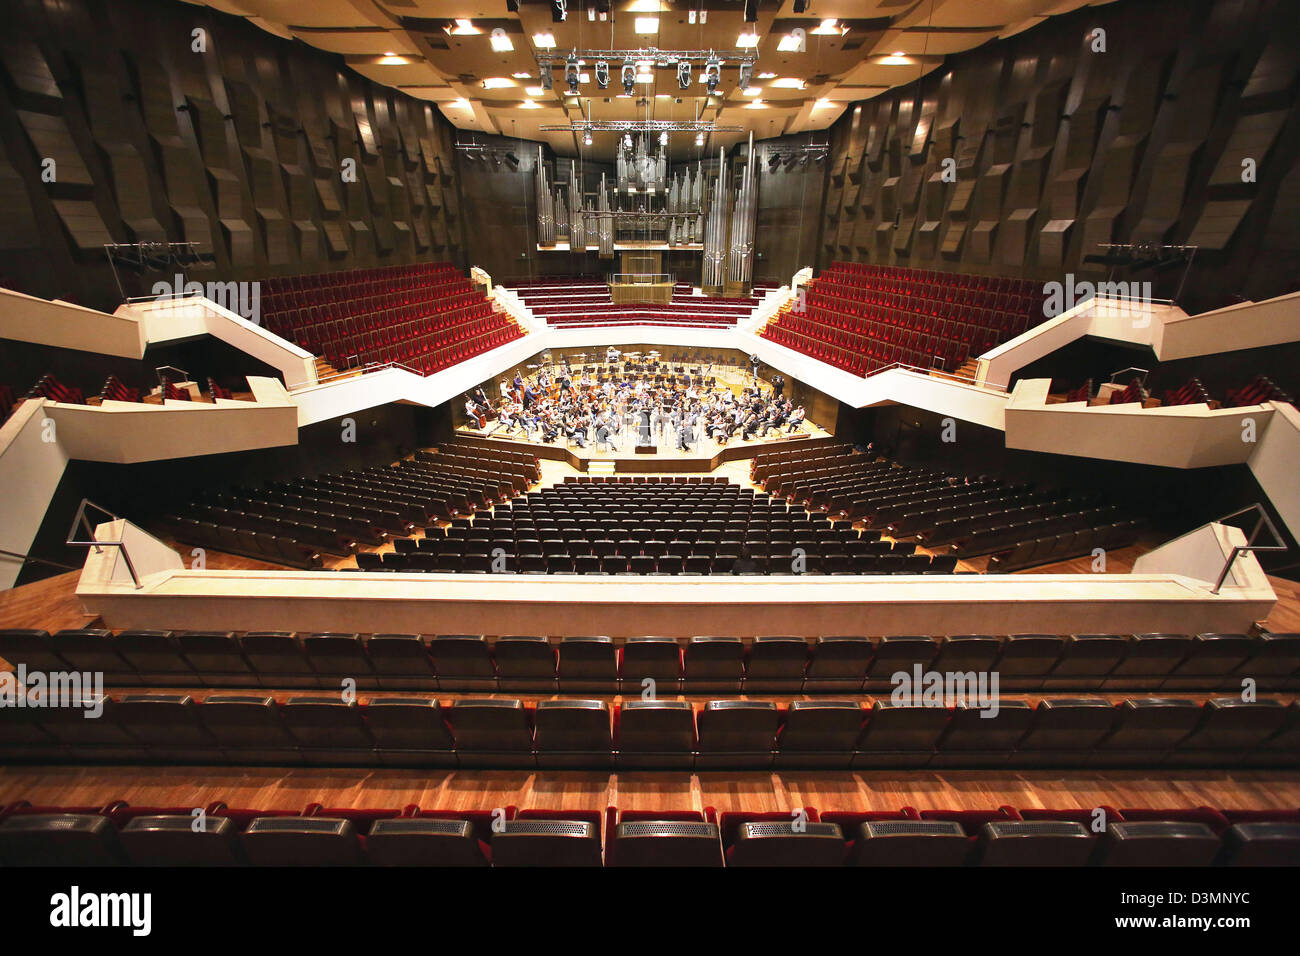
(7, 402)
(217, 391)
(426, 316)
(791, 666)
(122, 835)
(862, 317)
(651, 526)
(115, 391)
(294, 522)
(51, 388)
(586, 303)
(1191, 392)
(1260, 389)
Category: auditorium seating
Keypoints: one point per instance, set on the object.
(119, 834)
(294, 522)
(839, 664)
(862, 318)
(635, 525)
(578, 302)
(49, 387)
(425, 316)
(1019, 525)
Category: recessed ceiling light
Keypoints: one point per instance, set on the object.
(789, 43)
(461, 103)
(530, 105)
(645, 78)
(767, 76)
(788, 83)
(747, 40)
(895, 59)
(663, 96)
(497, 82)
(647, 24)
(821, 102)
(501, 43)
(463, 28)
(545, 41)
(752, 91)
(535, 91)
(392, 59)
(521, 76)
(756, 105)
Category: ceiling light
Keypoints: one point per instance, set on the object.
(821, 102)
(684, 74)
(461, 103)
(789, 44)
(690, 17)
(463, 28)
(747, 40)
(663, 139)
(895, 59)
(663, 96)
(647, 24)
(752, 91)
(520, 76)
(392, 59)
(530, 105)
(830, 27)
(699, 139)
(644, 66)
(602, 72)
(591, 13)
(645, 6)
(767, 76)
(713, 73)
(756, 105)
(497, 82)
(645, 78)
(500, 42)
(629, 79)
(586, 139)
(571, 73)
(545, 41)
(788, 83)
(535, 91)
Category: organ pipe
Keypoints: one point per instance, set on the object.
(545, 205)
(713, 279)
(743, 218)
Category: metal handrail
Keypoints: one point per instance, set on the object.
(81, 519)
(354, 372)
(1262, 521)
(28, 557)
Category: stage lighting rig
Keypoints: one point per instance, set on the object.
(559, 10)
(746, 74)
(629, 78)
(684, 74)
(712, 73)
(571, 73)
(602, 73)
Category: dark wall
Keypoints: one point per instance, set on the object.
(239, 148)
(1058, 148)
(790, 199)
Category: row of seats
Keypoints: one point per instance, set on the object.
(120, 835)
(791, 665)
(657, 734)
(1259, 390)
(865, 318)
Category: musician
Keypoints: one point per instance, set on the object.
(796, 420)
(778, 384)
(505, 390)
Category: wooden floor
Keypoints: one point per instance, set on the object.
(265, 788)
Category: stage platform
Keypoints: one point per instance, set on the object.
(704, 457)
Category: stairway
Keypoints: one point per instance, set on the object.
(601, 468)
(324, 369)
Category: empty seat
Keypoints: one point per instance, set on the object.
(400, 662)
(787, 844)
(101, 738)
(655, 734)
(329, 731)
(338, 657)
(1027, 659)
(93, 650)
(1064, 731)
(656, 660)
(900, 735)
(174, 840)
(491, 732)
(965, 653)
(423, 841)
(910, 843)
(155, 656)
(898, 654)
(1212, 661)
(248, 729)
(410, 732)
(1262, 844)
(1275, 664)
(737, 734)
(1148, 660)
(588, 664)
(776, 664)
(217, 658)
(573, 734)
(1229, 731)
(525, 663)
(462, 662)
(666, 843)
(979, 737)
(59, 839)
(1146, 729)
(301, 841)
(714, 665)
(1157, 844)
(1086, 660)
(838, 664)
(546, 843)
(818, 733)
(33, 648)
(278, 659)
(169, 726)
(1034, 843)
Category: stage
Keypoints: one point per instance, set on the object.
(704, 455)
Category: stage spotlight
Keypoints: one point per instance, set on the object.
(751, 11)
(559, 10)
(586, 138)
(629, 78)
(663, 138)
(800, 6)
(712, 74)
(699, 139)
(746, 73)
(602, 72)
(571, 72)
(512, 6)
(545, 75)
(684, 74)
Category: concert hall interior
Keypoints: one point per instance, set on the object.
(677, 433)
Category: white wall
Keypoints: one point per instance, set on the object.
(26, 318)
(1275, 463)
(30, 470)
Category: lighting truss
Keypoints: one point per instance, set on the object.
(660, 58)
(642, 126)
